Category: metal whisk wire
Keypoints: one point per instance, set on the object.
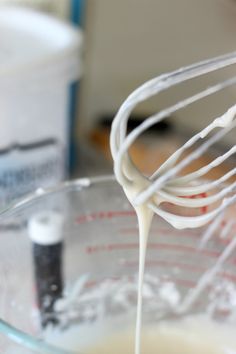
(163, 185)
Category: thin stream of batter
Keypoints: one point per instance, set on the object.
(144, 216)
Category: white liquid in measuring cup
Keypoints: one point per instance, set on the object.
(190, 336)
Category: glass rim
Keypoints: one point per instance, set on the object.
(14, 334)
(40, 193)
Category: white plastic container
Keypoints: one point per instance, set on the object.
(39, 60)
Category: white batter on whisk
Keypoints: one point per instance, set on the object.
(134, 184)
(146, 195)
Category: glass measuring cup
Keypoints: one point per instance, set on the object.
(99, 264)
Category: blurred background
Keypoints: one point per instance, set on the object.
(67, 65)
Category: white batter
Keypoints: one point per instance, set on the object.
(138, 188)
(191, 336)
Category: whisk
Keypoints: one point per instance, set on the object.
(165, 185)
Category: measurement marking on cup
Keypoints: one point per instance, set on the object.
(182, 282)
(159, 246)
(191, 268)
(208, 253)
(129, 213)
(185, 233)
(132, 232)
(151, 263)
(103, 215)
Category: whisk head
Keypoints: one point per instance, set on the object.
(167, 185)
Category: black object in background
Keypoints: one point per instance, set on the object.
(48, 279)
(45, 231)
